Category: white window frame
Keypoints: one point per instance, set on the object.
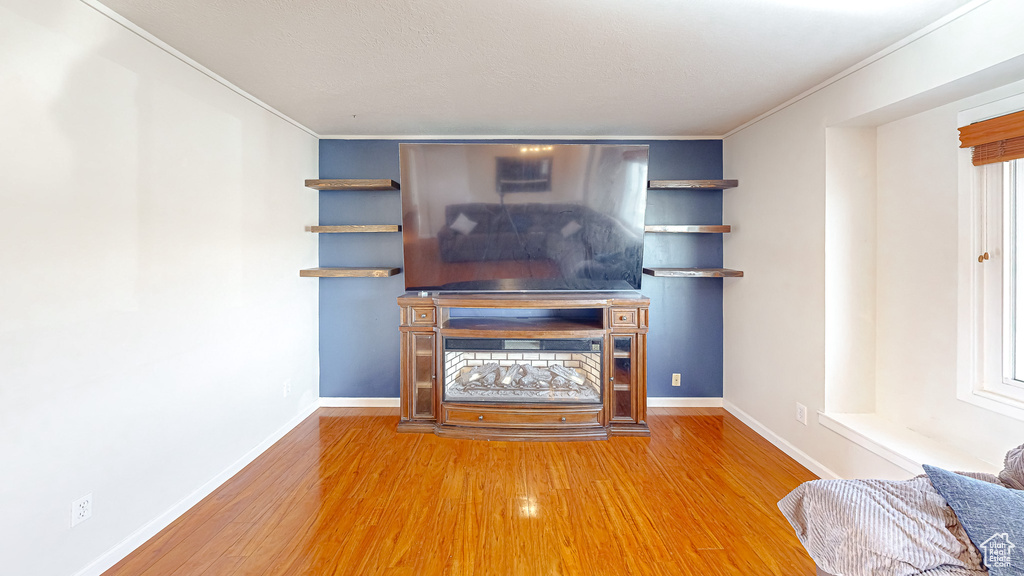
(983, 377)
(1012, 197)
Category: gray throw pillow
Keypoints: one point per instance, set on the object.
(992, 515)
(1013, 468)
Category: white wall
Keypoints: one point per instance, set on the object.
(151, 224)
(775, 322)
(850, 277)
(917, 337)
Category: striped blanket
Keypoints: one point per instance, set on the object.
(888, 528)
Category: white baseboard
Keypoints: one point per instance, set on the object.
(140, 536)
(359, 402)
(792, 451)
(675, 402)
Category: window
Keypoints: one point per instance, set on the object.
(995, 377)
(1011, 383)
(991, 346)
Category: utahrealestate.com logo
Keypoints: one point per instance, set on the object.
(997, 551)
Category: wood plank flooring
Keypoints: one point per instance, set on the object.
(343, 493)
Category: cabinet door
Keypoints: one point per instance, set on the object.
(623, 377)
(422, 375)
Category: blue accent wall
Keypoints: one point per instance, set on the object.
(359, 355)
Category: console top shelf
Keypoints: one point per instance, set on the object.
(353, 184)
(529, 314)
(691, 184)
(525, 299)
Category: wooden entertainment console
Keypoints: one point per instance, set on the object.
(582, 357)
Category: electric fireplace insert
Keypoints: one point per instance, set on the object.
(522, 370)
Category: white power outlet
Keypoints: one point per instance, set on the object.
(801, 413)
(81, 510)
(676, 380)
(287, 388)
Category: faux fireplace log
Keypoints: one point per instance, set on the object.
(522, 366)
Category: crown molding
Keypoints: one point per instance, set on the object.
(135, 29)
(505, 137)
(947, 19)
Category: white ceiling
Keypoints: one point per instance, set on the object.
(528, 67)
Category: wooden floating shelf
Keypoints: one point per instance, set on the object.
(349, 272)
(691, 184)
(355, 228)
(359, 184)
(689, 229)
(693, 272)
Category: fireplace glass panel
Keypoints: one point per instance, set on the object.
(423, 376)
(507, 370)
(623, 377)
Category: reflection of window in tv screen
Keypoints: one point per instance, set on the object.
(524, 175)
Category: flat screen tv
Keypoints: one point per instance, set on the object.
(522, 217)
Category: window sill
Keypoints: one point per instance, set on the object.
(900, 445)
(993, 402)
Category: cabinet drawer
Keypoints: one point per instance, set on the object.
(422, 315)
(624, 317)
(522, 417)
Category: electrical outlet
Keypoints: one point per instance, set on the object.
(287, 388)
(81, 510)
(801, 413)
(676, 380)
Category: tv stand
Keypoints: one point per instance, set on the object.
(524, 366)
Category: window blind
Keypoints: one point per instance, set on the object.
(995, 140)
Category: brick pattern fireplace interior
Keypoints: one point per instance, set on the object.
(522, 376)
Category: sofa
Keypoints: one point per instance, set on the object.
(581, 241)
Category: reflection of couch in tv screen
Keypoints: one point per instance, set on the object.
(582, 241)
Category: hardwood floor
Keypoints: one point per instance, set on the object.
(344, 494)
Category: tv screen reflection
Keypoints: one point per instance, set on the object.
(516, 217)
